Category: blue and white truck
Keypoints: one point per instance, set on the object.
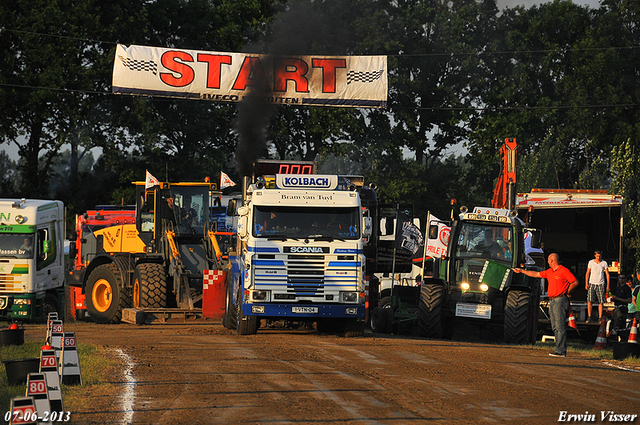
(31, 258)
(299, 255)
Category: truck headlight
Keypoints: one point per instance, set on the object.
(349, 297)
(257, 309)
(260, 295)
(351, 311)
(484, 287)
(465, 286)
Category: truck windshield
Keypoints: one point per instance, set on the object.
(16, 245)
(306, 222)
(485, 241)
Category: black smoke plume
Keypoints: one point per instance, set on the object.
(301, 29)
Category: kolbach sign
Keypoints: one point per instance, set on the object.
(355, 81)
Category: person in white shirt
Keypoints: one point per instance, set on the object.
(597, 273)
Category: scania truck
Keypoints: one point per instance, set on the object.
(31, 258)
(299, 255)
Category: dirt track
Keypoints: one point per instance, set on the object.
(203, 374)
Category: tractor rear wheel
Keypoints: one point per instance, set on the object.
(150, 286)
(106, 296)
(430, 310)
(517, 315)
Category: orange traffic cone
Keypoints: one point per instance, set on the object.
(601, 339)
(571, 320)
(633, 334)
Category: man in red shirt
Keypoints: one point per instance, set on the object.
(561, 283)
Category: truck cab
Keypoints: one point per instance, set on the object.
(31, 258)
(300, 254)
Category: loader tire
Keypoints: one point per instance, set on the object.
(106, 296)
(517, 323)
(150, 286)
(430, 310)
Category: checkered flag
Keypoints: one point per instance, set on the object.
(363, 76)
(139, 65)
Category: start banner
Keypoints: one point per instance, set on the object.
(353, 81)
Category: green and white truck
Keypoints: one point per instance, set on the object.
(31, 258)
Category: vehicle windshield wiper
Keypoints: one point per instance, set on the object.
(326, 238)
(278, 237)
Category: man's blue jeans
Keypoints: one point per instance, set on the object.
(558, 315)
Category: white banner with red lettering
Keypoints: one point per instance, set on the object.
(436, 247)
(355, 81)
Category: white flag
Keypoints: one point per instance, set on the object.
(436, 247)
(225, 181)
(150, 181)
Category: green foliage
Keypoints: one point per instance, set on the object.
(625, 166)
(559, 77)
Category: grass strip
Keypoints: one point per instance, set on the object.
(98, 366)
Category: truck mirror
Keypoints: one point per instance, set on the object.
(243, 222)
(366, 226)
(433, 231)
(536, 238)
(232, 207)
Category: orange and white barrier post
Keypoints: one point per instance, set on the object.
(601, 339)
(633, 333)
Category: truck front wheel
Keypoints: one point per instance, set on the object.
(246, 325)
(106, 296)
(229, 319)
(430, 310)
(50, 304)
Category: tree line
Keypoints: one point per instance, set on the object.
(463, 76)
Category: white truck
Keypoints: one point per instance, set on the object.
(299, 255)
(31, 258)
(574, 224)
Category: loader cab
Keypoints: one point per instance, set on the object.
(182, 208)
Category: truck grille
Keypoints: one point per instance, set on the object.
(305, 275)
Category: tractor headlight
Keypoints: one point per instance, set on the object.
(484, 287)
(465, 286)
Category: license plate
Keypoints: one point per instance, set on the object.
(304, 310)
(476, 311)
